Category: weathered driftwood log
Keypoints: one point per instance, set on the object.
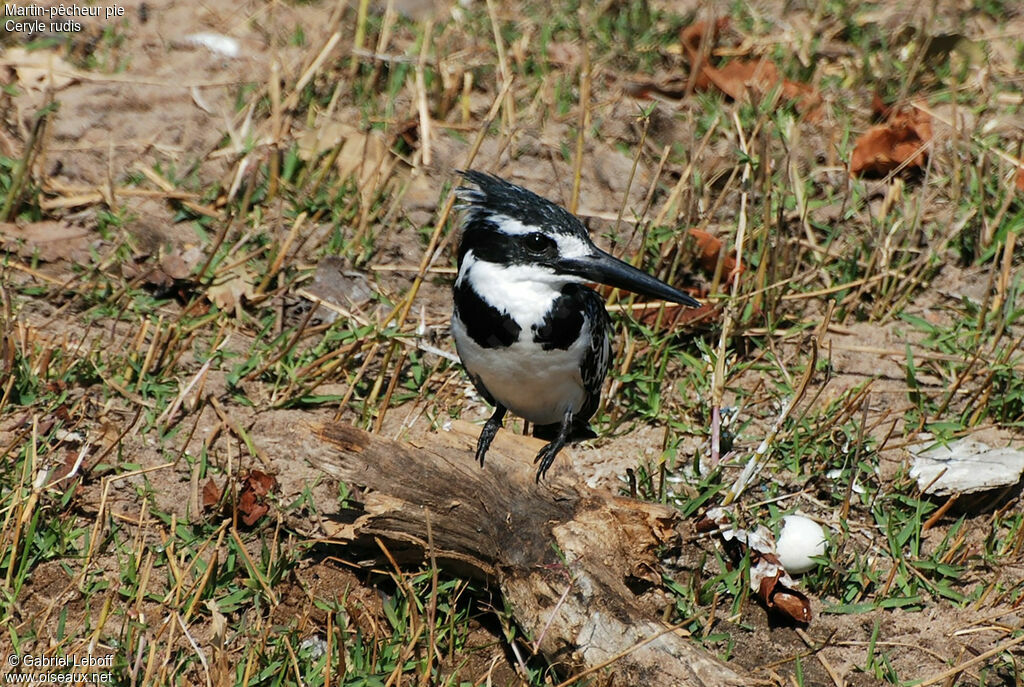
(567, 559)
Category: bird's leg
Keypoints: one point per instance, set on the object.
(547, 454)
(487, 433)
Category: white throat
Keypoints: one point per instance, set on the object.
(525, 292)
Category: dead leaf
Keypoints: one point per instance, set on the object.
(1020, 178)
(709, 247)
(179, 264)
(335, 283)
(251, 500)
(679, 85)
(218, 624)
(231, 288)
(768, 578)
(705, 254)
(254, 486)
(169, 275)
(39, 70)
(259, 482)
(692, 35)
(48, 241)
(218, 638)
(736, 79)
(67, 466)
(138, 269)
(900, 142)
(791, 603)
(211, 494)
(362, 155)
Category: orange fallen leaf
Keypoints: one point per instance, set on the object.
(251, 502)
(900, 142)
(692, 35)
(1020, 178)
(735, 79)
(211, 493)
(709, 248)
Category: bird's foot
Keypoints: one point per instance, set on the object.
(546, 457)
(547, 454)
(491, 428)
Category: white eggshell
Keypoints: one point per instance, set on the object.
(800, 539)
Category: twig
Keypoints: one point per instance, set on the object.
(624, 653)
(959, 668)
(551, 618)
(195, 647)
(173, 408)
(421, 96)
(756, 461)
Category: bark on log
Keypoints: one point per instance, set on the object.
(567, 559)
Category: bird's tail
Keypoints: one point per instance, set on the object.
(579, 432)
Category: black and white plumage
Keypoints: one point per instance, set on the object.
(533, 338)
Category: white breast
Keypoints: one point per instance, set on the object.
(535, 384)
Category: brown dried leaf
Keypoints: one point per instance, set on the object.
(251, 508)
(768, 578)
(362, 155)
(708, 249)
(231, 288)
(691, 36)
(211, 494)
(899, 142)
(791, 603)
(179, 264)
(774, 585)
(38, 70)
(174, 266)
(48, 241)
(138, 269)
(337, 282)
(738, 78)
(171, 271)
(62, 471)
(259, 482)
(251, 504)
(1020, 178)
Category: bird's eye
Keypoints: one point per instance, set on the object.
(538, 244)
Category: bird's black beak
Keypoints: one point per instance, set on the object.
(605, 269)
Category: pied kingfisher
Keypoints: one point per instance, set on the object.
(532, 336)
